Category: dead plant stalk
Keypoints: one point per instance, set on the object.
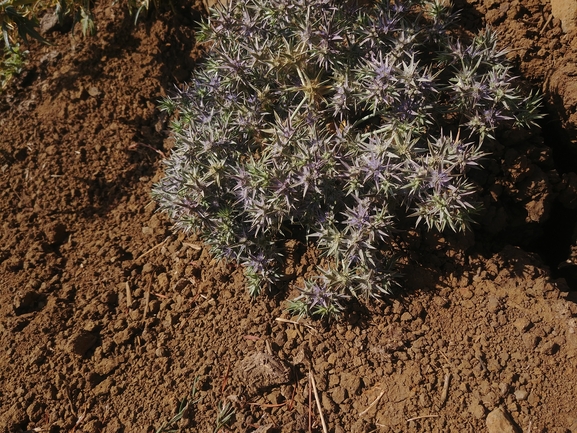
(314, 386)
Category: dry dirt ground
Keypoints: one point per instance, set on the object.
(108, 318)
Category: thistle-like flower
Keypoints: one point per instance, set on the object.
(335, 118)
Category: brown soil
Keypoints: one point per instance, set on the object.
(107, 317)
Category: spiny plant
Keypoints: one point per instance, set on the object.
(17, 17)
(224, 416)
(335, 118)
(224, 413)
(81, 12)
(11, 64)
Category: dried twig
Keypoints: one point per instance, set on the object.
(280, 319)
(147, 298)
(267, 347)
(314, 386)
(373, 403)
(128, 296)
(445, 356)
(310, 406)
(153, 248)
(193, 246)
(268, 405)
(445, 392)
(546, 24)
(421, 417)
(225, 378)
(134, 146)
(79, 420)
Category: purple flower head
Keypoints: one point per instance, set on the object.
(439, 179)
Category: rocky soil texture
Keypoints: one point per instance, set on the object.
(108, 319)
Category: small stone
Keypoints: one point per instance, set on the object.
(303, 355)
(351, 382)
(490, 400)
(90, 326)
(327, 403)
(103, 388)
(533, 399)
(162, 280)
(441, 301)
(338, 395)
(81, 342)
(549, 348)
(123, 336)
(530, 341)
(161, 352)
(466, 293)
(521, 394)
(334, 380)
(106, 366)
(406, 317)
(493, 304)
(512, 407)
(503, 388)
(498, 421)
(523, 324)
(154, 306)
(171, 319)
(477, 410)
(147, 231)
(93, 91)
